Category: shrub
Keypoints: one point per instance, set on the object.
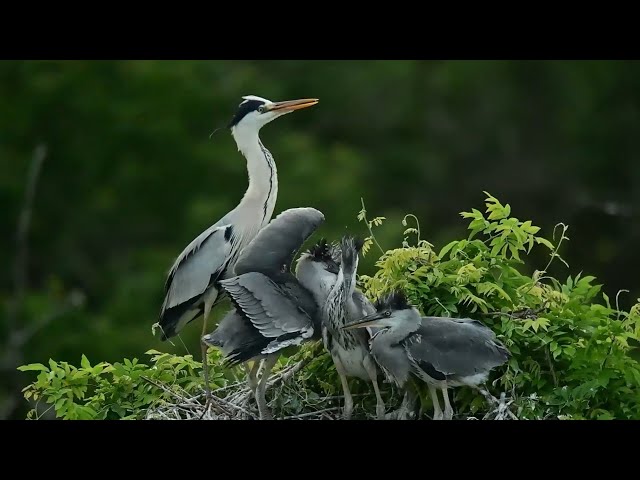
(575, 355)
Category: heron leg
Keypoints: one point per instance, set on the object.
(263, 409)
(406, 408)
(437, 411)
(373, 375)
(205, 347)
(252, 375)
(348, 399)
(448, 410)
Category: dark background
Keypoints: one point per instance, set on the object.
(130, 175)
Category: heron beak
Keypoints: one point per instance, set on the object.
(332, 267)
(291, 105)
(368, 321)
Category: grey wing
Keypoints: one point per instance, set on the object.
(455, 347)
(198, 265)
(277, 243)
(229, 333)
(273, 313)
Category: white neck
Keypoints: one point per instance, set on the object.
(262, 192)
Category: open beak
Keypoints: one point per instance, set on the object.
(368, 321)
(291, 105)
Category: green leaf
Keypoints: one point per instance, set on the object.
(496, 248)
(33, 367)
(514, 252)
(84, 362)
(446, 248)
(545, 242)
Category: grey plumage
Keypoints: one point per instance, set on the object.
(282, 313)
(272, 250)
(191, 288)
(194, 274)
(267, 293)
(463, 351)
(441, 351)
(276, 310)
(229, 332)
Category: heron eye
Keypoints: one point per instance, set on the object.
(387, 313)
(261, 108)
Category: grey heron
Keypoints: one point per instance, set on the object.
(273, 308)
(191, 287)
(349, 349)
(443, 352)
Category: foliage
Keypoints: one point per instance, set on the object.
(571, 347)
(574, 354)
(132, 175)
(119, 391)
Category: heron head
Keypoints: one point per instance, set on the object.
(350, 248)
(255, 112)
(389, 310)
(317, 270)
(321, 255)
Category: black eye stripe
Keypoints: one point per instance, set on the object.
(245, 108)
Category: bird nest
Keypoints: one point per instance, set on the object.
(289, 400)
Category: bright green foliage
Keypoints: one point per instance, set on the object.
(571, 348)
(119, 391)
(575, 356)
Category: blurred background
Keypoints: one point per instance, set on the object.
(127, 175)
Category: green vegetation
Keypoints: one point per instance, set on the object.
(575, 356)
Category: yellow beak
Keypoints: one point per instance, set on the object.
(291, 105)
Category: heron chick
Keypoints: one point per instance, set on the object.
(274, 309)
(349, 349)
(441, 351)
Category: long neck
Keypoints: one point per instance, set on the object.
(335, 307)
(260, 197)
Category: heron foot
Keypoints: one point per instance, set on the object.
(208, 402)
(266, 414)
(348, 408)
(400, 414)
(448, 413)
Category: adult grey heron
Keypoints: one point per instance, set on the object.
(349, 349)
(443, 352)
(273, 308)
(192, 288)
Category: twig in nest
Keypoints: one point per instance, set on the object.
(311, 414)
(287, 373)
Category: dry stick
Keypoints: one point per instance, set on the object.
(310, 414)
(14, 344)
(174, 394)
(287, 373)
(553, 371)
(237, 407)
(22, 232)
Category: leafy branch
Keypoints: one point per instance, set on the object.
(377, 221)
